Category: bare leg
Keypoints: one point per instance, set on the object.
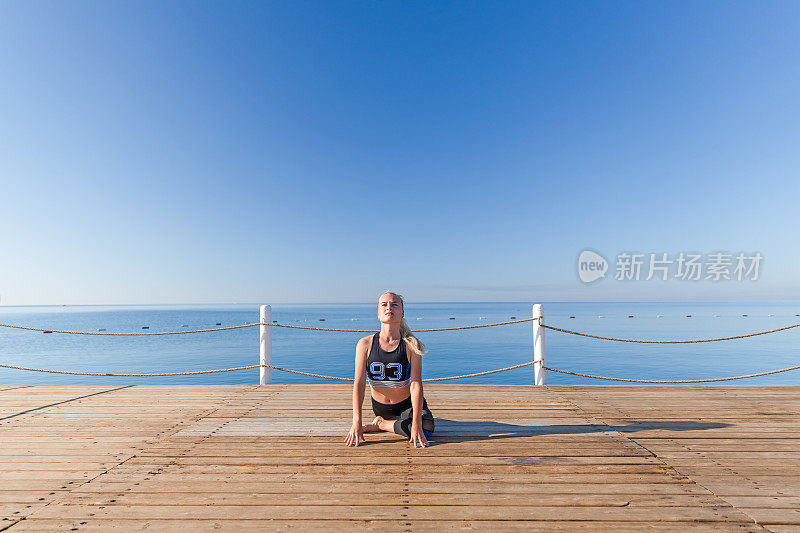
(381, 424)
(385, 425)
(373, 427)
(388, 425)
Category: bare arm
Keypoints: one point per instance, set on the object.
(360, 380)
(417, 436)
(359, 388)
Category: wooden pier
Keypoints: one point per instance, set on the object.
(271, 457)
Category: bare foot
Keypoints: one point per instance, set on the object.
(374, 427)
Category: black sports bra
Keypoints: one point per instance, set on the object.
(388, 369)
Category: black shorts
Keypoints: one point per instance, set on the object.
(405, 412)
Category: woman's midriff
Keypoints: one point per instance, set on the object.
(391, 395)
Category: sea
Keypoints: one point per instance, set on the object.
(449, 352)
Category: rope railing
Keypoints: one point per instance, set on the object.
(226, 328)
(234, 369)
(695, 341)
(429, 330)
(337, 378)
(129, 375)
(127, 333)
(707, 380)
(538, 322)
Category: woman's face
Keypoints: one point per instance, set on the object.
(390, 309)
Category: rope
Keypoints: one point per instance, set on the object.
(414, 331)
(672, 380)
(487, 372)
(336, 378)
(321, 376)
(670, 342)
(13, 367)
(311, 328)
(188, 373)
(104, 333)
(476, 326)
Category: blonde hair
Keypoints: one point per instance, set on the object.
(405, 332)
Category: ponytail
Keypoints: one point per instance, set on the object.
(415, 344)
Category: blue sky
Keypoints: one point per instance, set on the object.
(204, 152)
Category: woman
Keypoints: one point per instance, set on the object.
(392, 360)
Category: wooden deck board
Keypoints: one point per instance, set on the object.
(246, 457)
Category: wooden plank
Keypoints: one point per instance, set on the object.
(28, 496)
(397, 512)
(496, 486)
(392, 499)
(378, 469)
(150, 461)
(265, 524)
(765, 502)
(426, 476)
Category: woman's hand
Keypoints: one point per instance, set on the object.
(355, 436)
(418, 437)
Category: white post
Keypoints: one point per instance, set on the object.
(539, 373)
(265, 374)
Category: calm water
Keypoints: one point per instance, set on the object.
(449, 352)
